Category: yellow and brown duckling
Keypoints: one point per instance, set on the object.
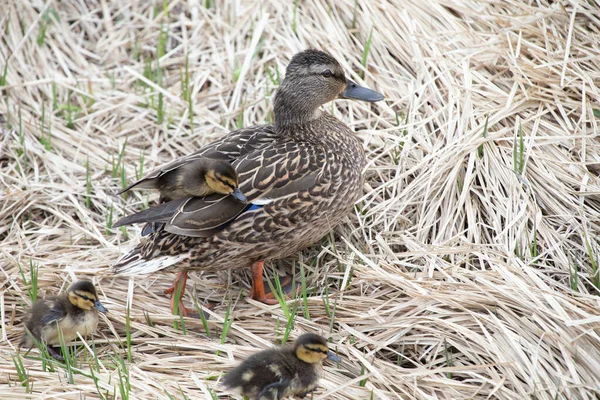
(200, 178)
(75, 311)
(281, 372)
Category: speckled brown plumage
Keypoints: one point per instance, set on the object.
(301, 176)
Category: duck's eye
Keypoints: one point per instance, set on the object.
(327, 73)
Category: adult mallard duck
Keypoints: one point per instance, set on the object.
(300, 176)
(75, 311)
(282, 372)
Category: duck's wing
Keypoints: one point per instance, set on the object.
(229, 148)
(193, 216)
(266, 175)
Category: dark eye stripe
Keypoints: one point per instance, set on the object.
(317, 350)
(227, 183)
(83, 296)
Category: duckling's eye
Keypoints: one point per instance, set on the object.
(227, 183)
(327, 73)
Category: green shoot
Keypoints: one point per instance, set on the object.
(362, 382)
(575, 278)
(45, 141)
(88, 184)
(186, 92)
(32, 284)
(226, 324)
(124, 383)
(295, 16)
(65, 350)
(365, 54)
(448, 352)
(534, 245)
(202, 317)
(4, 73)
(518, 161)
(353, 26)
(140, 170)
(21, 371)
(484, 134)
(109, 219)
(128, 333)
(304, 294)
(182, 323)
(148, 319)
(593, 262)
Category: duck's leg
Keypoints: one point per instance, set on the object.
(258, 287)
(180, 282)
(258, 292)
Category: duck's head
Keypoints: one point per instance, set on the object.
(312, 348)
(221, 177)
(313, 78)
(82, 294)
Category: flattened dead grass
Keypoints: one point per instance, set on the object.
(469, 269)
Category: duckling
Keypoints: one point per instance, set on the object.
(72, 312)
(198, 178)
(282, 372)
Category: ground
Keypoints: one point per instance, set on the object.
(467, 270)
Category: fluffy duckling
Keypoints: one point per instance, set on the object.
(282, 372)
(198, 178)
(72, 312)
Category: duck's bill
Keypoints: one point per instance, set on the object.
(100, 307)
(353, 91)
(331, 356)
(237, 193)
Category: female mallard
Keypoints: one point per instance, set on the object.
(74, 312)
(301, 176)
(282, 372)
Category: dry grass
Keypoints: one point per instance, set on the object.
(470, 272)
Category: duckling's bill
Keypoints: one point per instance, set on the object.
(331, 356)
(356, 92)
(237, 193)
(100, 307)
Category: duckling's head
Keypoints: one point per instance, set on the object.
(82, 294)
(312, 348)
(313, 78)
(221, 177)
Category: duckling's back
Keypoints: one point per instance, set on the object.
(273, 374)
(39, 311)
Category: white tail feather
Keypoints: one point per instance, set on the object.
(131, 263)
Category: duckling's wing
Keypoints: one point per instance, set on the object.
(48, 312)
(229, 148)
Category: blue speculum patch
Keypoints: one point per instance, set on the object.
(254, 207)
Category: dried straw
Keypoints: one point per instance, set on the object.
(471, 271)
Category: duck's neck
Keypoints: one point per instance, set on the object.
(292, 108)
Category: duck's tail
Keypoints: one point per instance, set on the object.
(134, 263)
